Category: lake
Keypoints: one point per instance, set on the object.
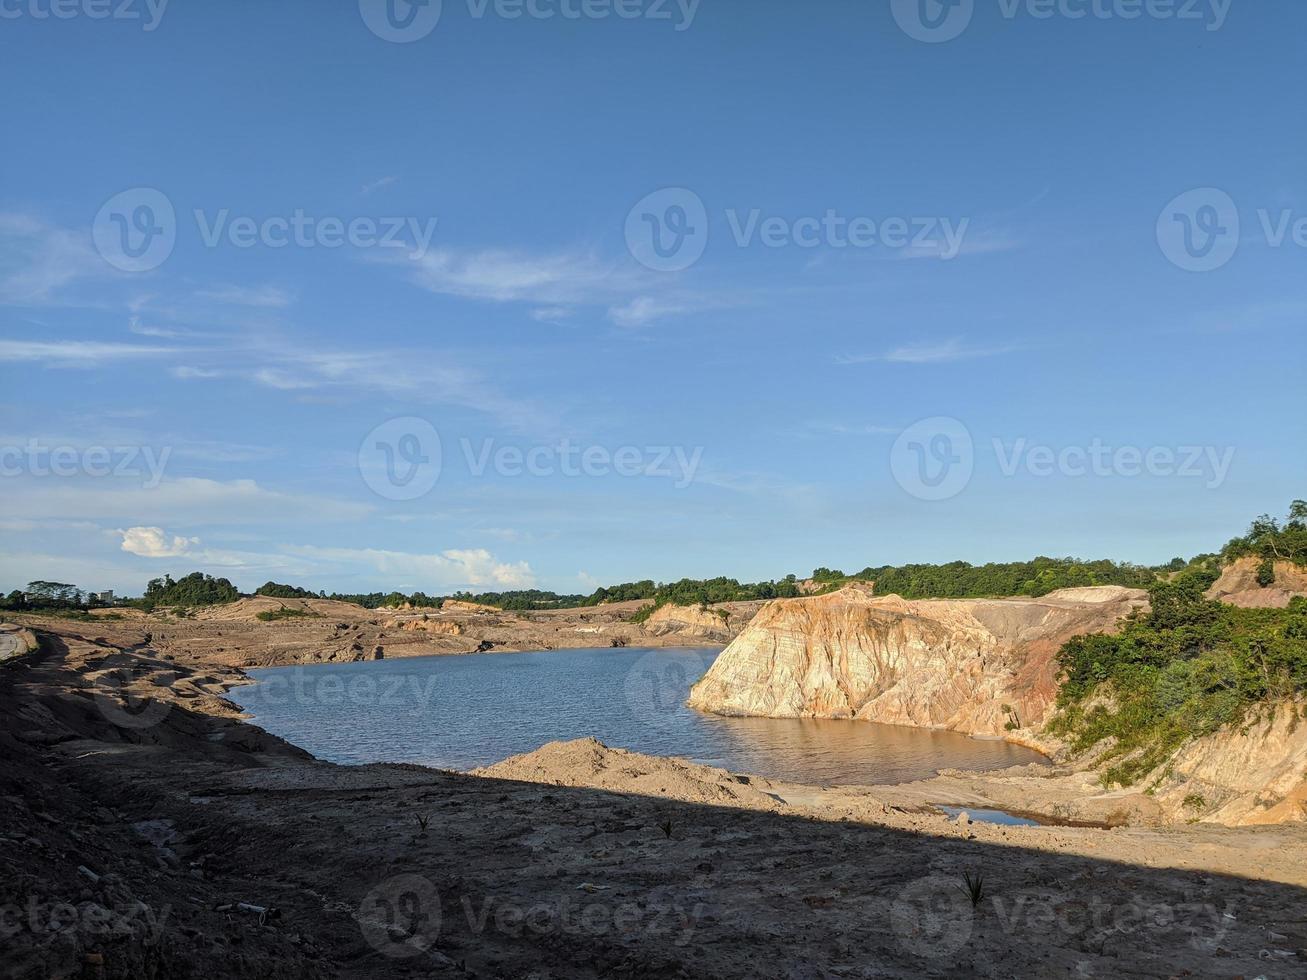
(460, 712)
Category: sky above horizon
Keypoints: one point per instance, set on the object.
(372, 296)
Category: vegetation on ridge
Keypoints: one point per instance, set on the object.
(1185, 669)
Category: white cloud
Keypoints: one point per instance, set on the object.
(938, 353)
(152, 542)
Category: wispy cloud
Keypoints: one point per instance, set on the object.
(645, 309)
(262, 297)
(39, 260)
(550, 314)
(943, 352)
(75, 353)
(186, 502)
(500, 275)
(373, 186)
(556, 283)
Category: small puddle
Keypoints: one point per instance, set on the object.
(1001, 817)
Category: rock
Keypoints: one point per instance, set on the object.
(963, 819)
(968, 665)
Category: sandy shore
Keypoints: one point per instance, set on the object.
(146, 830)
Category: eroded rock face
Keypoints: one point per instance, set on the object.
(1251, 773)
(1238, 585)
(980, 666)
(715, 623)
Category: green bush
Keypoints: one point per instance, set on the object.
(1186, 669)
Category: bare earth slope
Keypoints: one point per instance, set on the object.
(1238, 585)
(939, 663)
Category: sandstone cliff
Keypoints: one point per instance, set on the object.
(980, 666)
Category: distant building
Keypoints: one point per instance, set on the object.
(106, 596)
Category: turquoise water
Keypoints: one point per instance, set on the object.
(464, 712)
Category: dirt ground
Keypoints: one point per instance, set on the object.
(146, 831)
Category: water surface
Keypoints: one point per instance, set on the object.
(464, 712)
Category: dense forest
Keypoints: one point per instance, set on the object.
(961, 580)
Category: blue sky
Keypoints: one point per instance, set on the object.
(1021, 299)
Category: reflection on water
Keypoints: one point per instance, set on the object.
(464, 712)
